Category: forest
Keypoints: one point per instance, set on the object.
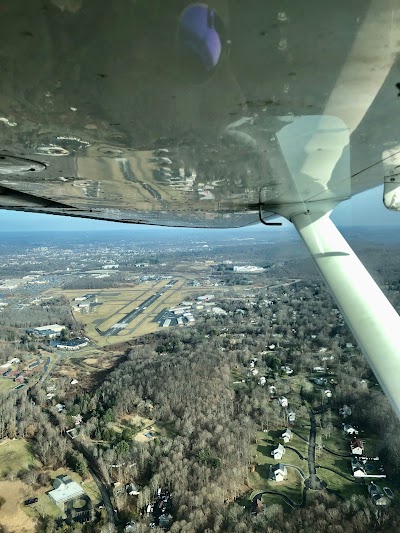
(184, 380)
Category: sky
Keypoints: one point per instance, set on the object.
(365, 209)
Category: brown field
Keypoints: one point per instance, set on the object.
(90, 361)
(11, 514)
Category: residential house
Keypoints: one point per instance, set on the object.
(77, 419)
(368, 467)
(358, 468)
(283, 402)
(132, 489)
(286, 435)
(65, 489)
(278, 472)
(356, 447)
(278, 452)
(328, 393)
(272, 389)
(349, 429)
(262, 380)
(291, 416)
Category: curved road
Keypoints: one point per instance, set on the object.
(286, 498)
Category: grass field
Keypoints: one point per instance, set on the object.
(6, 385)
(15, 455)
(342, 481)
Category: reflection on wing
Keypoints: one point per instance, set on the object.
(173, 115)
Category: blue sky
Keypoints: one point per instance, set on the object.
(364, 209)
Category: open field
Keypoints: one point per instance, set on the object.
(12, 515)
(6, 385)
(15, 456)
(142, 425)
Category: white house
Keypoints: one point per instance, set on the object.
(262, 380)
(328, 393)
(278, 453)
(286, 435)
(132, 489)
(291, 416)
(279, 472)
(65, 489)
(363, 467)
(272, 389)
(283, 402)
(358, 468)
(349, 429)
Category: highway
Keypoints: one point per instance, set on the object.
(129, 317)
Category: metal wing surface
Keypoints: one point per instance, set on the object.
(174, 113)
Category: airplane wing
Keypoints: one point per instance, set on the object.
(170, 112)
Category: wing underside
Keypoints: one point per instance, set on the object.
(174, 113)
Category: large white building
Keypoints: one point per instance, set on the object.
(247, 268)
(64, 490)
(51, 331)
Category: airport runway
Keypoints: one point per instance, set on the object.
(128, 318)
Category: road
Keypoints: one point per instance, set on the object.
(95, 472)
(313, 482)
(129, 317)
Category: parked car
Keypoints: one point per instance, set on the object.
(29, 501)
